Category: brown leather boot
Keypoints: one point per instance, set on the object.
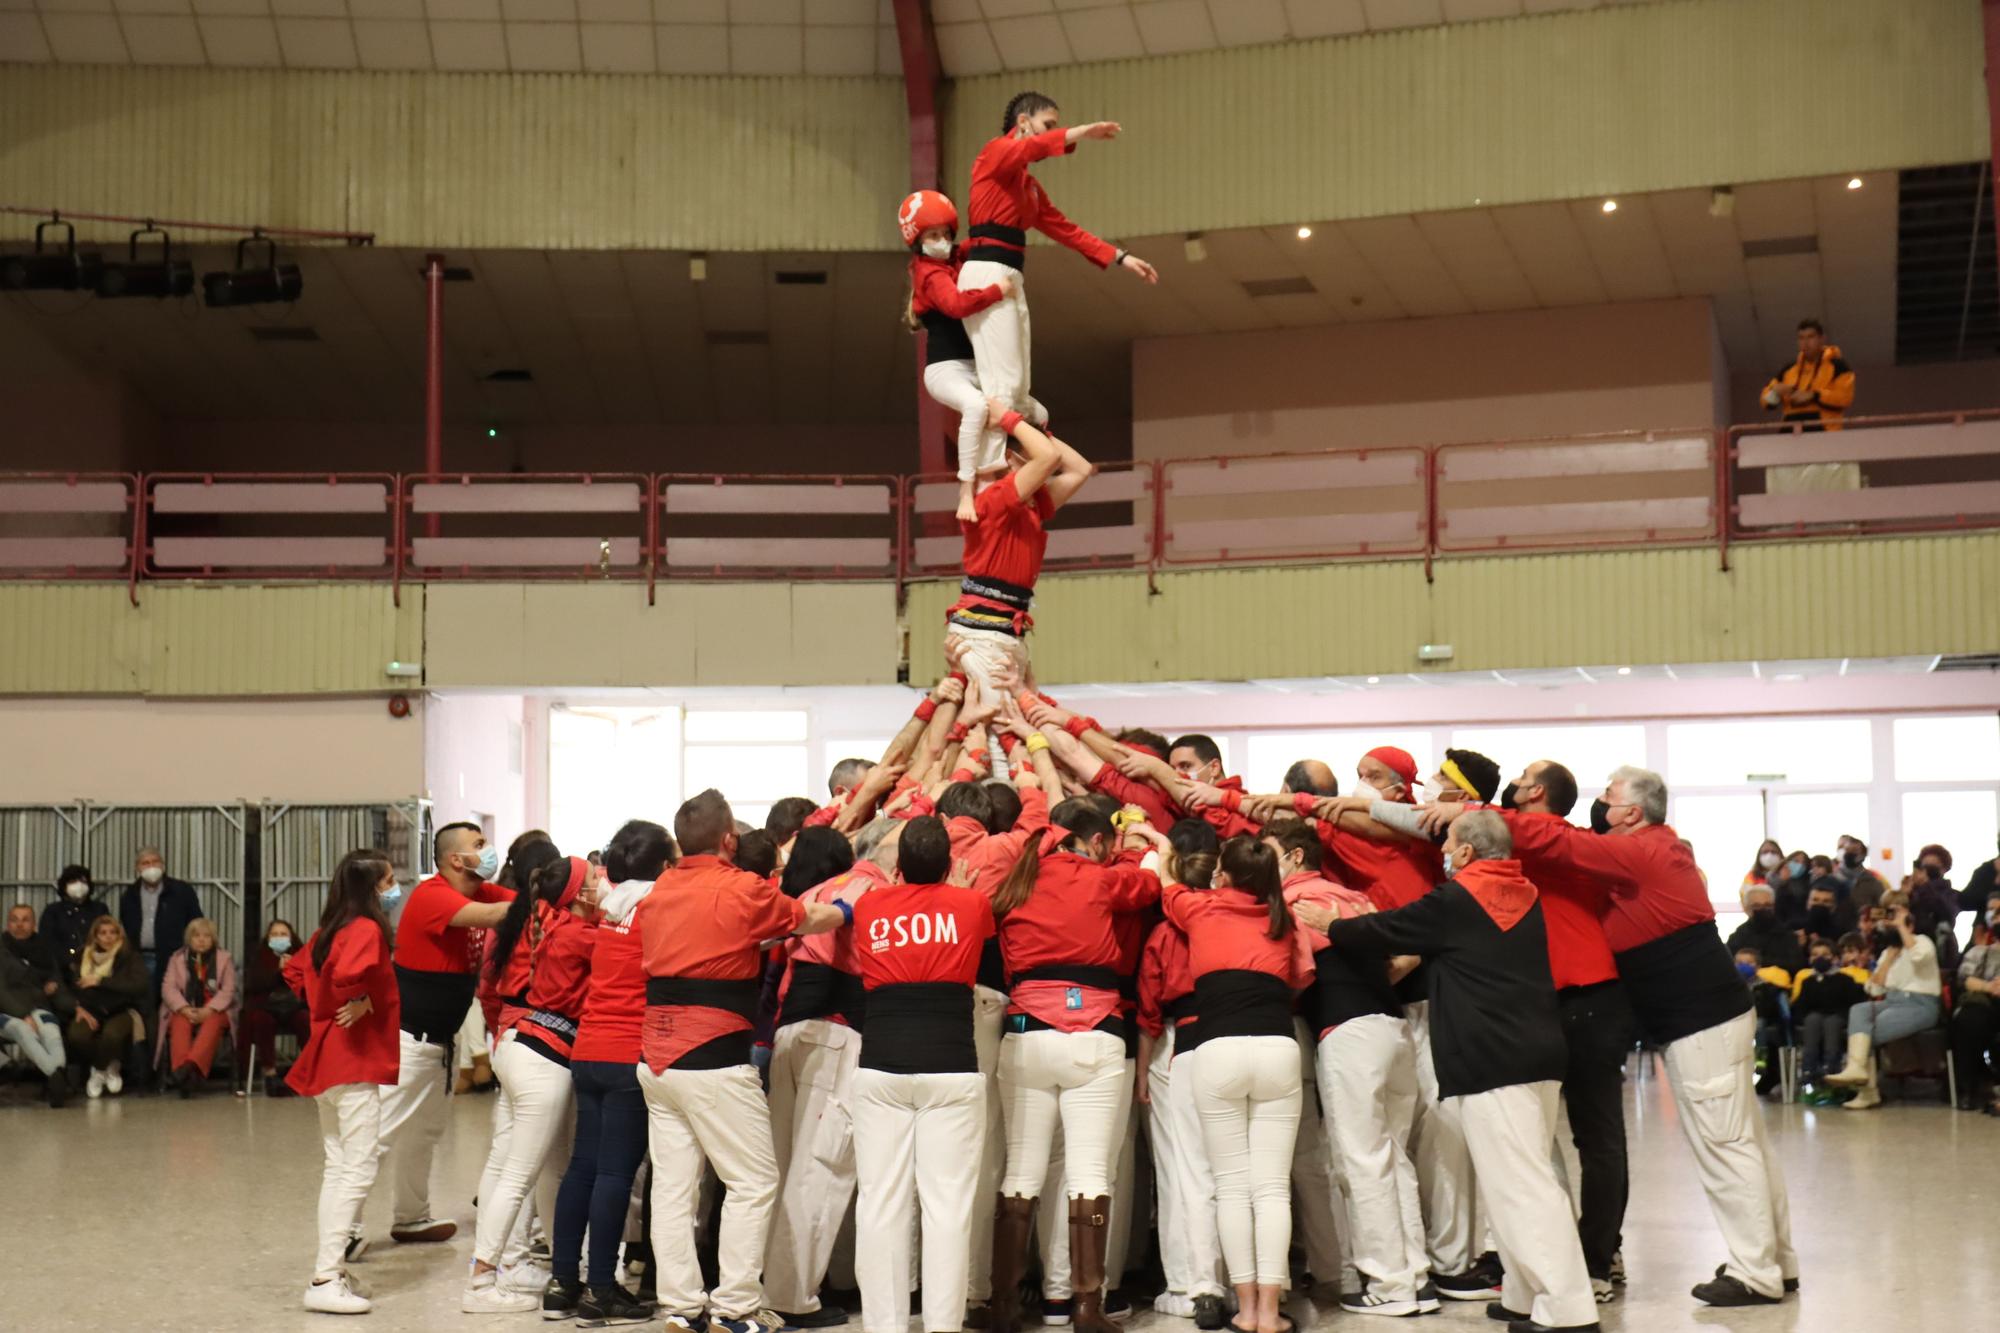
(1012, 1220)
(1087, 1234)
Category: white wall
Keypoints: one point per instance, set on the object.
(475, 760)
(154, 752)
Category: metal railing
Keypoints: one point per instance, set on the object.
(1932, 472)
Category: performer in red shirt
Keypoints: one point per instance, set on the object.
(1248, 961)
(1062, 1058)
(436, 978)
(1004, 203)
(700, 930)
(349, 1056)
(919, 1101)
(610, 1109)
(549, 927)
(1004, 548)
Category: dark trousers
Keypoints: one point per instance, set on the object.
(1599, 1027)
(1975, 1029)
(610, 1144)
(258, 1035)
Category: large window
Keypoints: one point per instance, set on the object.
(1948, 749)
(755, 758)
(1589, 751)
(1751, 749)
(1813, 821)
(1724, 831)
(608, 765)
(1964, 823)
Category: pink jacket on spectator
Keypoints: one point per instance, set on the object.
(226, 1000)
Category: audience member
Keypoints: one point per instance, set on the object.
(1764, 868)
(270, 1008)
(1826, 918)
(112, 992)
(1770, 989)
(1933, 902)
(33, 950)
(1822, 994)
(1790, 882)
(1908, 1001)
(1975, 1017)
(197, 1005)
(1985, 879)
(66, 921)
(25, 1017)
(1864, 887)
(1777, 945)
(1815, 390)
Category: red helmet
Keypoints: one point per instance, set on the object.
(922, 211)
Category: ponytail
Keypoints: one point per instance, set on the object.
(1074, 819)
(1253, 869)
(1194, 869)
(910, 320)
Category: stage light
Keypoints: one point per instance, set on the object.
(1305, 233)
(1624, 671)
(162, 278)
(271, 284)
(1611, 205)
(1853, 182)
(50, 269)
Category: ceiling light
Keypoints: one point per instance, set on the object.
(1624, 671)
(1305, 233)
(164, 277)
(1853, 182)
(1374, 680)
(1787, 677)
(492, 432)
(272, 283)
(1611, 205)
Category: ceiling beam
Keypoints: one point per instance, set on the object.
(922, 75)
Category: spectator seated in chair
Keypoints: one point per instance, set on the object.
(1975, 1016)
(270, 1009)
(197, 1005)
(1822, 994)
(1770, 993)
(29, 988)
(1908, 1000)
(112, 990)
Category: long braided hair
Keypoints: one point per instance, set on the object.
(1020, 104)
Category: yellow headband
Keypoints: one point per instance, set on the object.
(1450, 769)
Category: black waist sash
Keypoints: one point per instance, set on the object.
(819, 991)
(736, 997)
(919, 1027)
(1011, 248)
(1242, 1003)
(434, 1004)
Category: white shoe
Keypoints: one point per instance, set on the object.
(1603, 1290)
(1367, 1301)
(1868, 1098)
(485, 1296)
(530, 1277)
(335, 1297)
(114, 1082)
(1176, 1304)
(94, 1088)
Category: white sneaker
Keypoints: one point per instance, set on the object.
(1176, 1304)
(1603, 1289)
(529, 1277)
(1367, 1301)
(335, 1297)
(483, 1295)
(94, 1088)
(114, 1082)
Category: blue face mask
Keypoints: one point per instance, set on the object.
(1746, 970)
(391, 896)
(1797, 868)
(280, 944)
(489, 861)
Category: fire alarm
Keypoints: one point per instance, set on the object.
(399, 705)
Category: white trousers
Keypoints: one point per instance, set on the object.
(1712, 1075)
(413, 1120)
(987, 651)
(1444, 1167)
(812, 1130)
(955, 384)
(520, 1239)
(350, 1131)
(1248, 1092)
(544, 1119)
(1001, 341)
(1077, 1080)
(917, 1143)
(1190, 1250)
(1052, 1216)
(1318, 1211)
(989, 1014)
(718, 1116)
(1368, 1092)
(1507, 1132)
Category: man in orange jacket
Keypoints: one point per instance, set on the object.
(1818, 387)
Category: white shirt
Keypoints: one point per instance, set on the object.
(1915, 970)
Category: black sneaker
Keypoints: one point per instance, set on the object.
(827, 1316)
(1791, 1283)
(1427, 1298)
(1117, 1306)
(1729, 1291)
(1474, 1284)
(1210, 1313)
(600, 1307)
(560, 1299)
(57, 1092)
(1501, 1314)
(1055, 1314)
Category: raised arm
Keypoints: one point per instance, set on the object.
(1039, 450)
(1072, 470)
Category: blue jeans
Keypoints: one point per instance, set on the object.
(597, 1188)
(1902, 1014)
(43, 1047)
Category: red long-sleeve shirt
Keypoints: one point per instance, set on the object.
(1166, 974)
(559, 982)
(703, 921)
(1226, 822)
(992, 855)
(1651, 886)
(1160, 812)
(834, 948)
(1573, 906)
(934, 286)
(1228, 930)
(614, 1003)
(1068, 921)
(357, 965)
(1005, 193)
(1390, 873)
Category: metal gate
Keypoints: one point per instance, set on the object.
(301, 845)
(36, 842)
(202, 844)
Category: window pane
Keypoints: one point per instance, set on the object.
(1964, 823)
(747, 773)
(1588, 751)
(1272, 752)
(1725, 831)
(1948, 749)
(1813, 821)
(1816, 750)
(607, 766)
(739, 727)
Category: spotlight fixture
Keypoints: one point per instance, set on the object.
(160, 278)
(269, 284)
(1853, 182)
(1305, 233)
(1611, 205)
(1624, 671)
(50, 269)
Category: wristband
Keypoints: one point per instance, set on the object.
(1118, 258)
(1232, 800)
(958, 676)
(977, 759)
(957, 733)
(1303, 803)
(1037, 743)
(1008, 422)
(1076, 726)
(1008, 740)
(963, 775)
(846, 910)
(926, 710)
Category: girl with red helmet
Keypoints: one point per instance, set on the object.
(929, 225)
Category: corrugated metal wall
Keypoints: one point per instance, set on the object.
(542, 161)
(1873, 598)
(184, 639)
(1559, 106)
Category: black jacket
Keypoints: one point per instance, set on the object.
(36, 968)
(1775, 944)
(65, 929)
(1494, 1020)
(178, 907)
(127, 987)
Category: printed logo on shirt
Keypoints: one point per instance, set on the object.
(894, 932)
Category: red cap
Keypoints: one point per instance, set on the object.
(1397, 762)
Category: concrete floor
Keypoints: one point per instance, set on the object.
(153, 1213)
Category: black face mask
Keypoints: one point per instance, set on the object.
(1819, 921)
(1763, 916)
(1600, 816)
(1852, 860)
(1507, 796)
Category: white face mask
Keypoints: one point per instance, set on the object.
(77, 890)
(1366, 790)
(1769, 860)
(152, 874)
(937, 247)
